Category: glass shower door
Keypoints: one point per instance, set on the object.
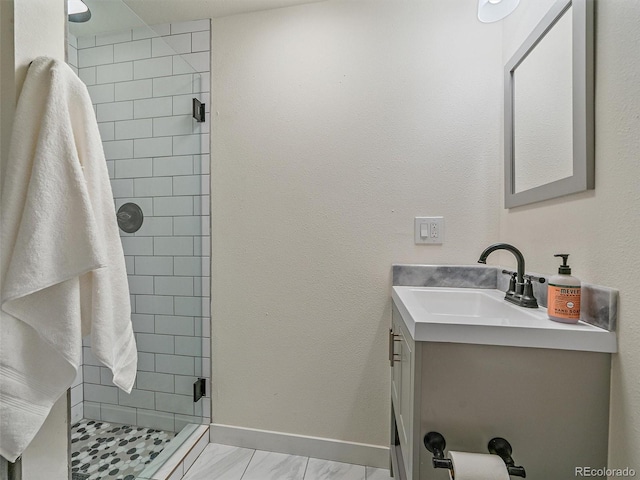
(142, 81)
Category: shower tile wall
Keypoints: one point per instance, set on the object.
(142, 82)
(76, 387)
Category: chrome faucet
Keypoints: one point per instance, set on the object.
(520, 290)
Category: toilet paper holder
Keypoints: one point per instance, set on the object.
(435, 443)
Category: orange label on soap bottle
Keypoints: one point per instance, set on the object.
(564, 301)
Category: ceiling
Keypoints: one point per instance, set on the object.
(114, 15)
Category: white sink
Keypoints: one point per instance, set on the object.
(482, 316)
(469, 305)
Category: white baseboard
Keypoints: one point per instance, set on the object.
(315, 447)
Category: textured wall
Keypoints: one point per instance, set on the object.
(600, 228)
(334, 124)
(7, 78)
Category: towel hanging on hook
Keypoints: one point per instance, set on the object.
(78, 283)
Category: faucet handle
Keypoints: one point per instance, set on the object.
(528, 299)
(512, 282)
(530, 278)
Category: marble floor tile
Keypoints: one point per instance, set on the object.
(275, 466)
(327, 470)
(378, 474)
(220, 462)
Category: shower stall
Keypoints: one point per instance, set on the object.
(147, 85)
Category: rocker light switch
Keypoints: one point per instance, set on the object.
(429, 230)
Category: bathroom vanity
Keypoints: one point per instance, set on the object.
(472, 367)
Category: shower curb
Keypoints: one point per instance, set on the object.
(178, 462)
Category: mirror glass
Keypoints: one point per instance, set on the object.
(549, 108)
(542, 83)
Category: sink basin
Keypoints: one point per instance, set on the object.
(465, 303)
(482, 316)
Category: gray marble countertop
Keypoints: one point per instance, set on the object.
(599, 305)
(522, 327)
(481, 316)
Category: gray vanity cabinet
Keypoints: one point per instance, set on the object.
(404, 383)
(552, 405)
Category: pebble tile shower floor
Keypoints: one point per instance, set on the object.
(110, 451)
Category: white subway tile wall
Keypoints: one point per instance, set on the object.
(72, 52)
(142, 82)
(151, 31)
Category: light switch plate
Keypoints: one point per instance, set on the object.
(429, 230)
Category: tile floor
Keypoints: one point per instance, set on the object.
(222, 462)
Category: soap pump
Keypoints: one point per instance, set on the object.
(563, 304)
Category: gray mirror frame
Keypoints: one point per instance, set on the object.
(583, 177)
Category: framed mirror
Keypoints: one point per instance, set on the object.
(549, 126)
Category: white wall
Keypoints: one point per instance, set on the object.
(38, 29)
(334, 124)
(600, 228)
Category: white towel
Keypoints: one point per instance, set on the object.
(61, 260)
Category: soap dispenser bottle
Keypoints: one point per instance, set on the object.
(563, 303)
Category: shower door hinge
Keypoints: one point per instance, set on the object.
(198, 110)
(199, 389)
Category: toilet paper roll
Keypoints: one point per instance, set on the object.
(477, 466)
